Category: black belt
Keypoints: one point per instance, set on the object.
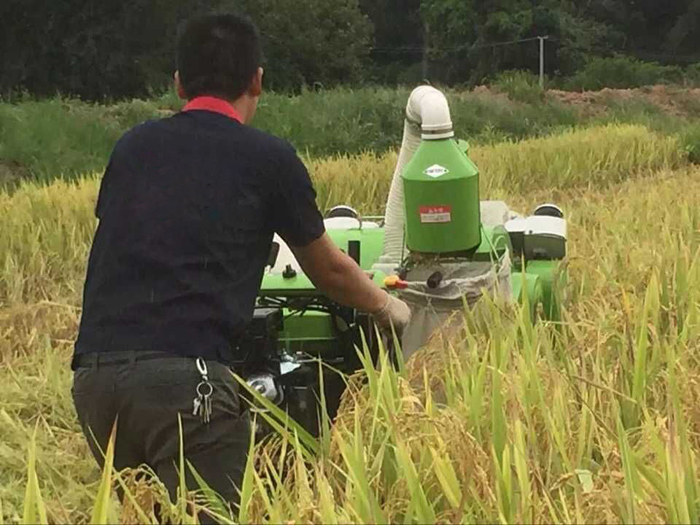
(96, 359)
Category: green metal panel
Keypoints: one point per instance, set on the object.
(441, 198)
(311, 333)
(493, 241)
(301, 285)
(309, 326)
(553, 279)
(530, 285)
(371, 243)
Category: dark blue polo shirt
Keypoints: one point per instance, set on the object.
(187, 209)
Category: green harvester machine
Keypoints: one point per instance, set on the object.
(438, 247)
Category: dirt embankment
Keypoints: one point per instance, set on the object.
(676, 101)
(672, 100)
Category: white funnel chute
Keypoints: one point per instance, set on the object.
(428, 118)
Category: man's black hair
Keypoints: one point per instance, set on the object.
(218, 54)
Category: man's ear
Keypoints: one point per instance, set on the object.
(178, 86)
(255, 89)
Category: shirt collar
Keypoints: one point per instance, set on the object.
(215, 104)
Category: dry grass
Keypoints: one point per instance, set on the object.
(594, 157)
(593, 421)
(47, 231)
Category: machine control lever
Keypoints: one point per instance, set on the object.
(394, 282)
(436, 280)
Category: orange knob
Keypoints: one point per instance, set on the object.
(393, 281)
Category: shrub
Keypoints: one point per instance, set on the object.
(54, 137)
(522, 86)
(622, 72)
(691, 142)
(692, 75)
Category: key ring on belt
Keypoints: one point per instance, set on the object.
(204, 384)
(202, 368)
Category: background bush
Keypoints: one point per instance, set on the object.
(519, 85)
(63, 137)
(622, 72)
(691, 140)
(692, 75)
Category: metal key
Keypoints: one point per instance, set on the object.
(202, 404)
(206, 405)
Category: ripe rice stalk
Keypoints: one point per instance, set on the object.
(326, 499)
(247, 484)
(47, 230)
(101, 512)
(585, 434)
(34, 508)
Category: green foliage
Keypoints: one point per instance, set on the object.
(692, 75)
(317, 123)
(310, 42)
(119, 49)
(398, 40)
(34, 508)
(60, 136)
(691, 140)
(460, 33)
(122, 48)
(622, 72)
(656, 30)
(519, 85)
(107, 49)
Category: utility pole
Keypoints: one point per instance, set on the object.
(426, 45)
(542, 39)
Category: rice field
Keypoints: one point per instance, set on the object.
(594, 420)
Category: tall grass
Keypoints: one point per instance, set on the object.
(591, 420)
(626, 72)
(47, 231)
(598, 156)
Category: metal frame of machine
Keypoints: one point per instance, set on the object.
(295, 326)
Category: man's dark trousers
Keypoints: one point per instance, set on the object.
(148, 391)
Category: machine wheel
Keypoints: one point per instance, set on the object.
(549, 210)
(343, 211)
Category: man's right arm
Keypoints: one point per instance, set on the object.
(340, 278)
(299, 222)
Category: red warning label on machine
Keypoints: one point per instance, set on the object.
(435, 214)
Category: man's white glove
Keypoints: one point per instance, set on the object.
(394, 312)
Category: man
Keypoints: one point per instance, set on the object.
(187, 209)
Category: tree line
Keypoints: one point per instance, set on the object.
(114, 49)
